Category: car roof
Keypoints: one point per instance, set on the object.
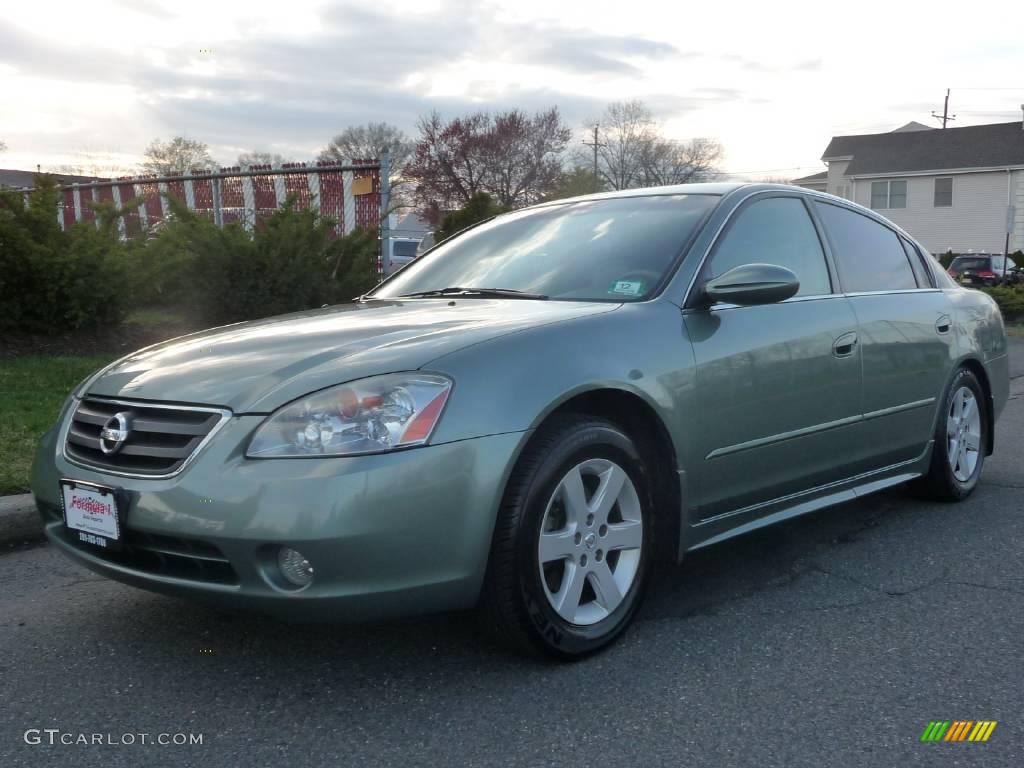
(702, 188)
(719, 188)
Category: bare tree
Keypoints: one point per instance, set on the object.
(179, 155)
(370, 141)
(665, 161)
(260, 158)
(523, 156)
(626, 130)
(512, 157)
(635, 153)
(3, 145)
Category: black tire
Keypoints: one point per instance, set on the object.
(514, 603)
(941, 482)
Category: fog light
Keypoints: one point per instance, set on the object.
(294, 566)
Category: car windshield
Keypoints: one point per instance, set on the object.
(612, 249)
(961, 262)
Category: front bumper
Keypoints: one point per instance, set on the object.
(387, 535)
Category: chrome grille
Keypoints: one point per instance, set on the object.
(161, 438)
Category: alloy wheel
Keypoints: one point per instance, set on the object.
(963, 434)
(590, 541)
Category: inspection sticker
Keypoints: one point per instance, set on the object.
(628, 287)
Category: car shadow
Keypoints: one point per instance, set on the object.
(228, 642)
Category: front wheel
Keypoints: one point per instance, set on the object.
(961, 435)
(572, 547)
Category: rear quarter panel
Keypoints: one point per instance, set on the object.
(981, 335)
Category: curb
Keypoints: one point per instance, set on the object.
(19, 521)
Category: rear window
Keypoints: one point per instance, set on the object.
(969, 262)
(871, 256)
(405, 249)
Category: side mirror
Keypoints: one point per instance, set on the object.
(752, 284)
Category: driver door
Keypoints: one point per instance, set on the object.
(778, 385)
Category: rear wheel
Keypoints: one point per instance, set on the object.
(571, 550)
(961, 435)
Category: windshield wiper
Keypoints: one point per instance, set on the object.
(499, 293)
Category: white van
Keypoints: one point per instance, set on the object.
(403, 250)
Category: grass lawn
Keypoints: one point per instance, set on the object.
(32, 390)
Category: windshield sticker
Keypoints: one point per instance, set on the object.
(627, 287)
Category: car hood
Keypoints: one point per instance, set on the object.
(255, 367)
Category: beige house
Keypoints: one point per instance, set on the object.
(959, 189)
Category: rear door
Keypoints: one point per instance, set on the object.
(778, 385)
(905, 326)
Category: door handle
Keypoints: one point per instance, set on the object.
(943, 324)
(845, 345)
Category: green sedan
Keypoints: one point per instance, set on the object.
(531, 415)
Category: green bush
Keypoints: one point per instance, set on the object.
(1010, 300)
(52, 280)
(89, 276)
(479, 208)
(292, 262)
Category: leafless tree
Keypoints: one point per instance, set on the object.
(522, 156)
(635, 153)
(3, 146)
(369, 142)
(665, 161)
(179, 155)
(260, 158)
(626, 130)
(512, 157)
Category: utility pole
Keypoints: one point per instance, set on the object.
(595, 144)
(945, 116)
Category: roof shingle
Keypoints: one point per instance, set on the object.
(975, 146)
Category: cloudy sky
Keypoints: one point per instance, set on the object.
(96, 81)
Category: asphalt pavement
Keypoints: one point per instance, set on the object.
(832, 640)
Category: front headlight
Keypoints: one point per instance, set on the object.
(398, 410)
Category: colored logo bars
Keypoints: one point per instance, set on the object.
(958, 730)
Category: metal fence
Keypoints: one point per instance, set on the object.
(349, 193)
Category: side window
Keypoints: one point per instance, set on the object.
(778, 231)
(871, 257)
(924, 279)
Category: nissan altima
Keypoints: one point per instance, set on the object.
(534, 413)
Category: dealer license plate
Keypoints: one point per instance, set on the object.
(91, 514)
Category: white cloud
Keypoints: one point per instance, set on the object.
(772, 81)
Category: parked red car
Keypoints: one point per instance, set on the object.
(984, 269)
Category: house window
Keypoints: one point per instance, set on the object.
(888, 194)
(944, 192)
